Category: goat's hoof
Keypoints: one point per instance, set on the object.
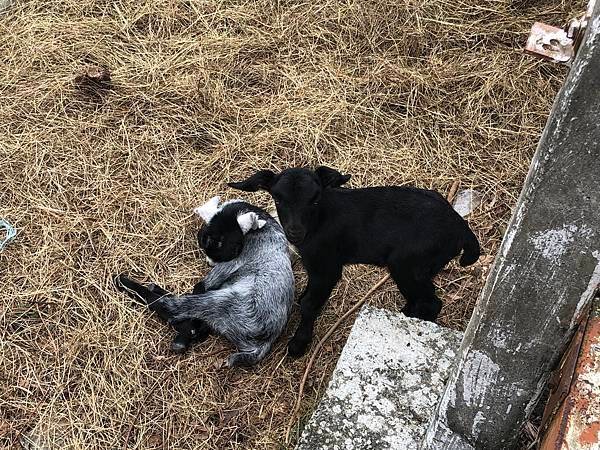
(408, 312)
(297, 348)
(118, 281)
(428, 316)
(178, 346)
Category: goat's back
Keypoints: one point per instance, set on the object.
(376, 224)
(265, 275)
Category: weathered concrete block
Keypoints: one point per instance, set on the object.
(385, 386)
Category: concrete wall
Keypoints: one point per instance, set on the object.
(546, 271)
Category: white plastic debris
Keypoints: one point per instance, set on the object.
(7, 233)
(466, 201)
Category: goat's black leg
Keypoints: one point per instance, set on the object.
(158, 290)
(149, 297)
(188, 331)
(421, 301)
(318, 290)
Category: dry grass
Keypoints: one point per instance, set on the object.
(100, 181)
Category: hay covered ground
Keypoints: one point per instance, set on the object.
(102, 180)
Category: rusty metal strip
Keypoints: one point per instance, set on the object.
(560, 382)
(572, 420)
(556, 44)
(550, 43)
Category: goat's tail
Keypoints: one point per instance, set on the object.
(249, 358)
(471, 249)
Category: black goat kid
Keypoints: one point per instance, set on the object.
(413, 232)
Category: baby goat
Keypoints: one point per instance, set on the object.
(247, 296)
(413, 232)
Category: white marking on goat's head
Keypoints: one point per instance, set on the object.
(209, 209)
(250, 221)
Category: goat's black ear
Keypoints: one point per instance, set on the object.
(331, 177)
(263, 179)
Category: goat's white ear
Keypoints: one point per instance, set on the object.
(250, 221)
(209, 209)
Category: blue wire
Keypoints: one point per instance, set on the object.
(11, 232)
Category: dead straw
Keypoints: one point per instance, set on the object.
(144, 402)
(453, 190)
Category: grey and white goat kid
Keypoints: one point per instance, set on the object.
(246, 297)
